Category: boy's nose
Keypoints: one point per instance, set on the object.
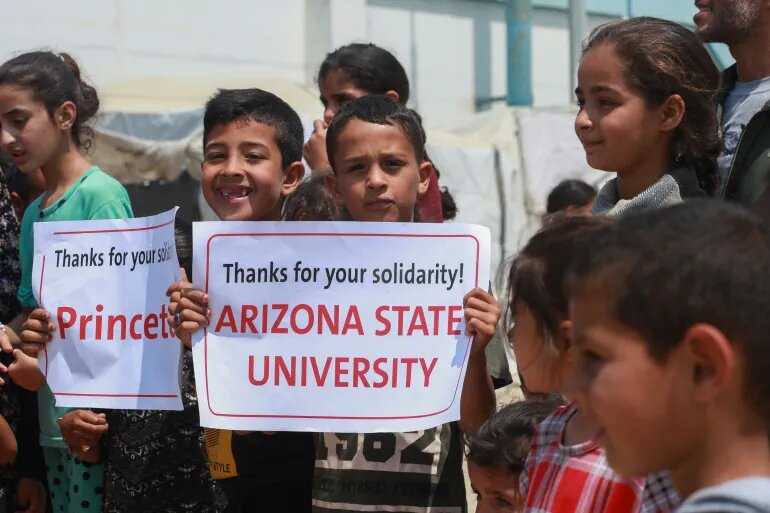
(376, 178)
(582, 121)
(328, 114)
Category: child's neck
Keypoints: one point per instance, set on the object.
(722, 459)
(579, 429)
(61, 173)
(633, 182)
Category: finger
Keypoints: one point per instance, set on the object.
(480, 304)
(30, 349)
(40, 325)
(475, 326)
(39, 314)
(195, 295)
(480, 293)
(318, 126)
(188, 305)
(92, 417)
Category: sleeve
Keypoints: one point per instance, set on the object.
(113, 209)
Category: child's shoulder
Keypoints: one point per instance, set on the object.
(99, 181)
(102, 196)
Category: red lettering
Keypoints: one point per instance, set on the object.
(70, 322)
(353, 321)
(339, 372)
(303, 374)
(382, 320)
(226, 320)
(281, 368)
(112, 320)
(452, 320)
(265, 374)
(360, 368)
(99, 309)
(436, 310)
(248, 315)
(333, 324)
(84, 320)
(282, 309)
(381, 373)
(150, 323)
(163, 324)
(401, 311)
(409, 362)
(418, 323)
(395, 373)
(320, 379)
(310, 318)
(427, 371)
(136, 319)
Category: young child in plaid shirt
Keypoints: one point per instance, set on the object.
(674, 365)
(566, 470)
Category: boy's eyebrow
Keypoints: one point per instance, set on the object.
(247, 144)
(603, 89)
(15, 110)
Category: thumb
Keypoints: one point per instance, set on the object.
(319, 126)
(183, 274)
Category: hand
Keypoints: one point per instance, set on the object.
(174, 294)
(5, 341)
(482, 312)
(82, 429)
(189, 308)
(25, 372)
(315, 149)
(37, 331)
(30, 496)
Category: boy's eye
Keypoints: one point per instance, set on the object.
(254, 157)
(394, 164)
(210, 157)
(500, 502)
(358, 166)
(607, 102)
(580, 102)
(18, 122)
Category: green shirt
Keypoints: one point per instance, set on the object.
(95, 196)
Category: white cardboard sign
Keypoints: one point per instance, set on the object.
(347, 327)
(104, 284)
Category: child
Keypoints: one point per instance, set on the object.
(674, 364)
(646, 95)
(376, 152)
(497, 451)
(566, 469)
(573, 197)
(44, 107)
(357, 70)
(252, 151)
(312, 201)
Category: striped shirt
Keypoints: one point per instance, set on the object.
(578, 479)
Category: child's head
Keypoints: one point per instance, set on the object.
(573, 197)
(44, 108)
(252, 154)
(377, 153)
(670, 322)
(646, 94)
(497, 453)
(357, 70)
(538, 306)
(24, 187)
(312, 201)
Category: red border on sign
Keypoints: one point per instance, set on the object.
(330, 417)
(40, 295)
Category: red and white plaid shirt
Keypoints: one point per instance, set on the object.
(577, 478)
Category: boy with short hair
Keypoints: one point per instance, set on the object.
(252, 161)
(670, 326)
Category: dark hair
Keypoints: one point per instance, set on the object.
(663, 58)
(503, 441)
(380, 110)
(53, 80)
(570, 193)
(537, 274)
(659, 272)
(312, 201)
(229, 105)
(183, 241)
(368, 67)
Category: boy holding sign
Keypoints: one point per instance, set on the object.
(377, 153)
(252, 152)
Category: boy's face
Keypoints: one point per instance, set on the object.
(242, 175)
(644, 408)
(497, 489)
(377, 176)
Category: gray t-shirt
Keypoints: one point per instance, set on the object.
(742, 103)
(747, 495)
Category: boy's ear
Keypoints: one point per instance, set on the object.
(713, 361)
(393, 95)
(292, 176)
(424, 173)
(334, 187)
(672, 112)
(66, 115)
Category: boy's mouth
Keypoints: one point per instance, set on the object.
(379, 203)
(234, 193)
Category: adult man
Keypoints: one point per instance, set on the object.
(744, 102)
